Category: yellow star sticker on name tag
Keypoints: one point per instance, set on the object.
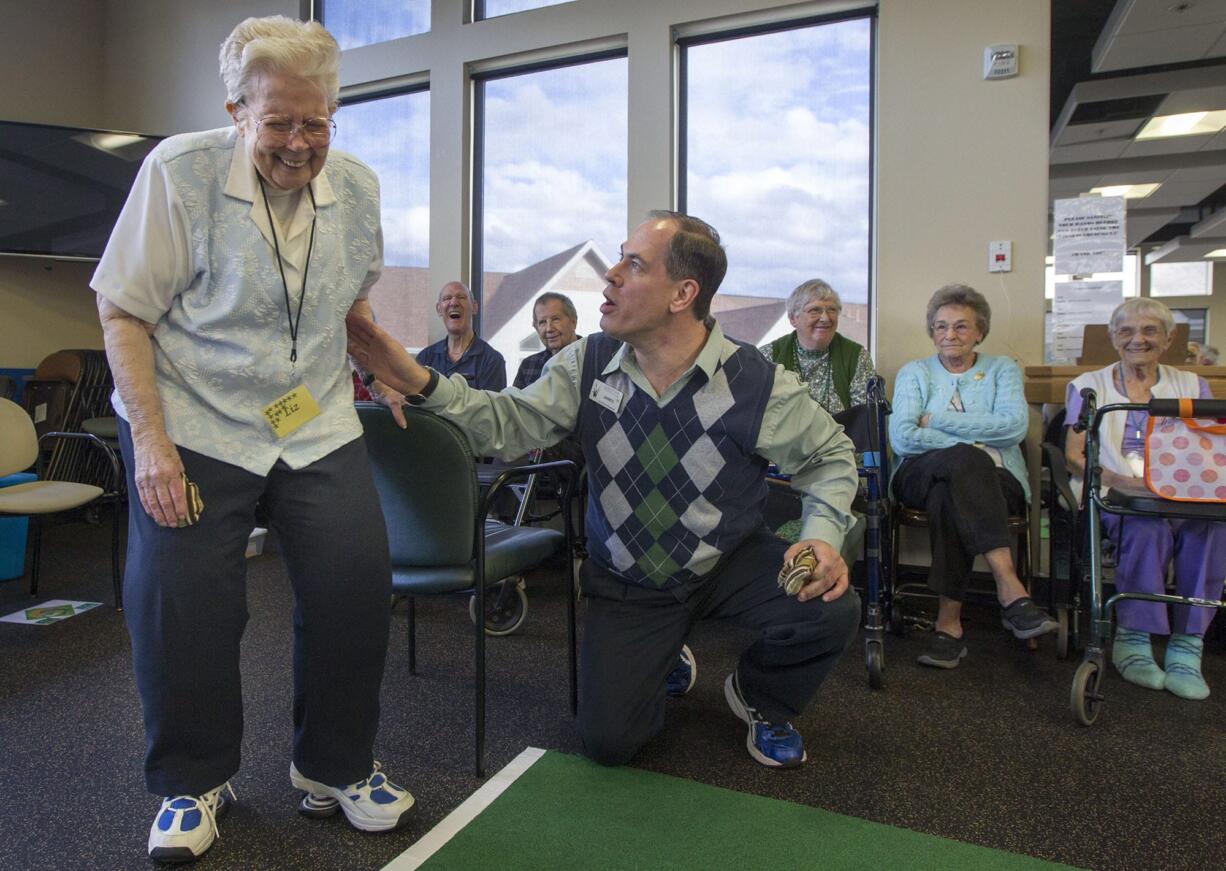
(291, 411)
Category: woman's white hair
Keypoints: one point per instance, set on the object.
(280, 45)
(1144, 307)
(807, 292)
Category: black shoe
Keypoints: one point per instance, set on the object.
(1025, 619)
(944, 651)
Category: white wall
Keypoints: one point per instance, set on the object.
(960, 162)
(160, 60)
(51, 68)
(51, 65)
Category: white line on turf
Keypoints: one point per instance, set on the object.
(450, 825)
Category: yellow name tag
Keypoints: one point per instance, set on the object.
(291, 411)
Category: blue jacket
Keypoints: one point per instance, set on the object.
(996, 412)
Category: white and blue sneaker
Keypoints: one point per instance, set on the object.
(772, 744)
(374, 804)
(681, 679)
(186, 825)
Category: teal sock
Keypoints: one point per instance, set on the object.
(1133, 657)
(1183, 677)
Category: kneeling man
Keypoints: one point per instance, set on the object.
(677, 424)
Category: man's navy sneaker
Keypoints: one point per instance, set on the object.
(772, 744)
(681, 679)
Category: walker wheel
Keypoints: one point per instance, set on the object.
(874, 660)
(1085, 698)
(503, 620)
(894, 620)
(1062, 634)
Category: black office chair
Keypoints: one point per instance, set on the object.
(440, 538)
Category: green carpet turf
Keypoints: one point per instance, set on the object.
(567, 812)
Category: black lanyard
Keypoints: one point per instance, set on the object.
(294, 317)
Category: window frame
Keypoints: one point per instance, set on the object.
(682, 43)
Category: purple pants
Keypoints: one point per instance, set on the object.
(1145, 549)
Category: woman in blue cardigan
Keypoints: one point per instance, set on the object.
(958, 418)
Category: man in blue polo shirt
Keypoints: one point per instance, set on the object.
(463, 352)
(678, 424)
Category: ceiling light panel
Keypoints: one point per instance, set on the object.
(1127, 191)
(1184, 124)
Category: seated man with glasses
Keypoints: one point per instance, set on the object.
(958, 419)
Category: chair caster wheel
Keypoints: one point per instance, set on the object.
(506, 619)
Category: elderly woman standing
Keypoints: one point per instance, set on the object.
(958, 418)
(835, 368)
(1141, 330)
(222, 294)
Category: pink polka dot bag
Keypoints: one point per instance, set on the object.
(1185, 459)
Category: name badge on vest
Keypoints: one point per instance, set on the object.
(606, 395)
(291, 411)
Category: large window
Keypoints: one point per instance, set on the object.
(1181, 279)
(550, 204)
(494, 8)
(392, 135)
(364, 22)
(777, 149)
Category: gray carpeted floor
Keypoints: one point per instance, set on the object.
(987, 753)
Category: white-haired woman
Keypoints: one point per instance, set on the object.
(1141, 330)
(958, 418)
(836, 368)
(222, 295)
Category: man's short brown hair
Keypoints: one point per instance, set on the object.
(694, 252)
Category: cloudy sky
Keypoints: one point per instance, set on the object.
(778, 157)
(364, 22)
(555, 162)
(392, 136)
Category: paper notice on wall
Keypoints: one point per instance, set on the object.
(1076, 304)
(1088, 235)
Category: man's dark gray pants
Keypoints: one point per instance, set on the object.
(632, 635)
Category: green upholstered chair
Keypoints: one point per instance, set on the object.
(438, 533)
(19, 449)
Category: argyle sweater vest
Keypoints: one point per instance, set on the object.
(673, 488)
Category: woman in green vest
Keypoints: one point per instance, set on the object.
(835, 368)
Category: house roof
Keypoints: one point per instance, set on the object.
(746, 317)
(503, 300)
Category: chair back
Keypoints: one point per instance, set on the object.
(18, 441)
(427, 486)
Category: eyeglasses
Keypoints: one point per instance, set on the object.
(1148, 331)
(961, 328)
(277, 130)
(817, 311)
